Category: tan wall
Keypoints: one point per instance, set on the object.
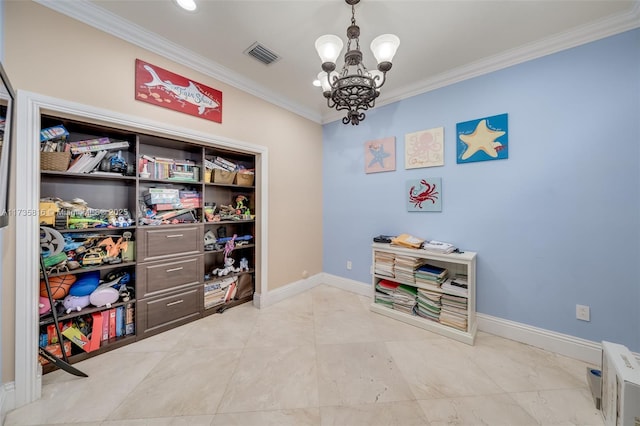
(54, 55)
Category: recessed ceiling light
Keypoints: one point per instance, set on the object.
(189, 5)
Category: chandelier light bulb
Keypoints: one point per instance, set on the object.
(384, 47)
(189, 5)
(329, 47)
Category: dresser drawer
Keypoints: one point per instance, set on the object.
(161, 276)
(162, 313)
(162, 242)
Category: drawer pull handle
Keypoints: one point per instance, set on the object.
(175, 236)
(175, 269)
(175, 303)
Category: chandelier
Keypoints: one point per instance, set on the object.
(354, 88)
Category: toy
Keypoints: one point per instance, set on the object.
(104, 296)
(242, 206)
(51, 242)
(92, 258)
(75, 303)
(85, 284)
(244, 264)
(209, 213)
(113, 249)
(59, 286)
(228, 261)
(44, 307)
(211, 242)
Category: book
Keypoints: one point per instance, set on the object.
(105, 325)
(231, 289)
(96, 331)
(112, 323)
(129, 326)
(77, 337)
(120, 321)
(438, 247)
(99, 147)
(406, 240)
(54, 132)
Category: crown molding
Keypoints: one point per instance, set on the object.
(99, 18)
(597, 30)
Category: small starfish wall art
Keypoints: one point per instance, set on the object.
(380, 155)
(483, 139)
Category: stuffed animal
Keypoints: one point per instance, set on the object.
(104, 296)
(44, 307)
(75, 303)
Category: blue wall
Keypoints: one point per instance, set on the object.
(555, 225)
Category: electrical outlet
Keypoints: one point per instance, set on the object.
(349, 265)
(582, 312)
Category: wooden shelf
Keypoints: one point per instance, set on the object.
(96, 268)
(48, 318)
(107, 346)
(230, 304)
(170, 263)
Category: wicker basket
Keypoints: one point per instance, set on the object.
(55, 161)
(244, 179)
(223, 176)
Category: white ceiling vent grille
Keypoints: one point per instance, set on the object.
(262, 54)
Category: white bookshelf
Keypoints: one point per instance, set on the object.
(455, 263)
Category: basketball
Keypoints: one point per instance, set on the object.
(59, 286)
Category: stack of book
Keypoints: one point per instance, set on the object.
(457, 286)
(404, 298)
(430, 276)
(97, 144)
(404, 268)
(384, 292)
(220, 291)
(406, 240)
(454, 311)
(169, 168)
(434, 246)
(220, 163)
(384, 263)
(86, 162)
(428, 305)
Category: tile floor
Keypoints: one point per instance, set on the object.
(320, 358)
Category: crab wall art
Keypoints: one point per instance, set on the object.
(424, 195)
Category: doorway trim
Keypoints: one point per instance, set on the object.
(30, 106)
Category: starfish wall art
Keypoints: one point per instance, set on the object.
(482, 139)
(380, 155)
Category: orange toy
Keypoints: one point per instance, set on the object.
(59, 286)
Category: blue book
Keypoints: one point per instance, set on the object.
(431, 269)
(120, 321)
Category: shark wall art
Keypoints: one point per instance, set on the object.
(163, 88)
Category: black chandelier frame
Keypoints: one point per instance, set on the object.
(353, 92)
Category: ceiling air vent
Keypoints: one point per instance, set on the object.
(261, 53)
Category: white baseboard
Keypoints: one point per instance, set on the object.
(300, 286)
(347, 284)
(286, 291)
(7, 399)
(563, 344)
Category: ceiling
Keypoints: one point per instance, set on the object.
(441, 41)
